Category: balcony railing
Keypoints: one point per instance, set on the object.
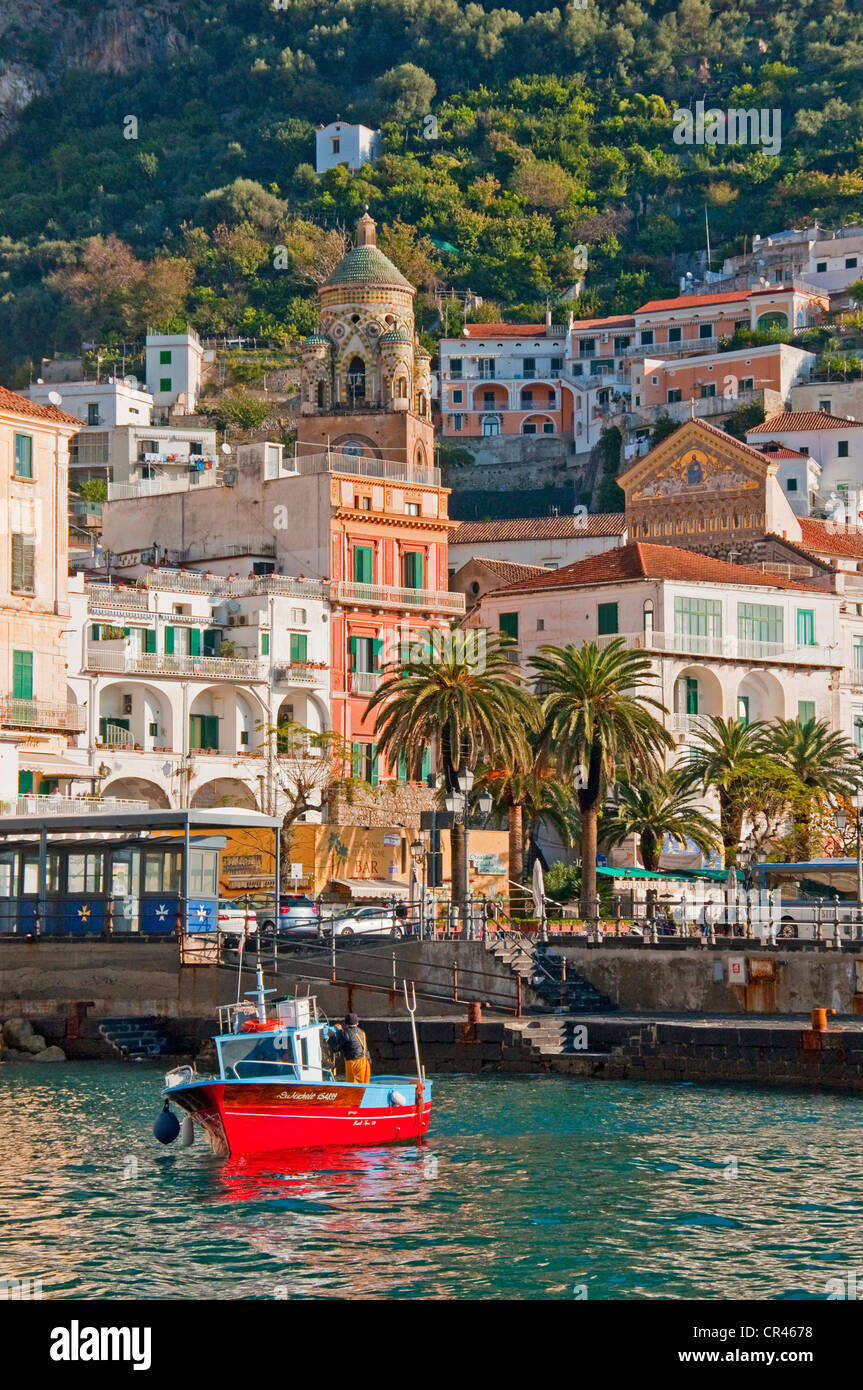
(192, 582)
(387, 596)
(852, 675)
(388, 469)
(300, 673)
(364, 682)
(159, 487)
(116, 596)
(116, 737)
(69, 806)
(686, 723)
(727, 648)
(161, 664)
(41, 714)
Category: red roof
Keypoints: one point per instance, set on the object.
(19, 405)
(691, 301)
(538, 528)
(804, 420)
(615, 321)
(505, 330)
(638, 561)
(831, 538)
(778, 451)
(507, 570)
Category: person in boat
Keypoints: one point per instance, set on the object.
(349, 1041)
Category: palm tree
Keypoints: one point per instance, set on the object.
(731, 758)
(665, 805)
(597, 730)
(471, 711)
(528, 796)
(824, 764)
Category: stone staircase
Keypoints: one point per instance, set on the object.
(549, 975)
(136, 1039)
(547, 1038)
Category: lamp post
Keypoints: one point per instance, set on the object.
(457, 801)
(418, 854)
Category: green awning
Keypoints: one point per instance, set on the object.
(712, 875)
(445, 246)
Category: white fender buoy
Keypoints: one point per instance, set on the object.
(396, 1098)
(187, 1132)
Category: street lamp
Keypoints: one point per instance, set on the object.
(418, 855)
(840, 818)
(456, 801)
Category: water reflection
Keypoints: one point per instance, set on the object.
(525, 1188)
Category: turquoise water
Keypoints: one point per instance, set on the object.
(528, 1187)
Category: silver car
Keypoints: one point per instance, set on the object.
(369, 921)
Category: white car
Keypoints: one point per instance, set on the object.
(369, 921)
(234, 919)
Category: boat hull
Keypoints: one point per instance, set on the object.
(253, 1117)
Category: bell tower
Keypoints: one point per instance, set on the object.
(366, 380)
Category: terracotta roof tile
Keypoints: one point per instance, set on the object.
(638, 561)
(804, 420)
(503, 330)
(778, 451)
(19, 405)
(539, 528)
(508, 570)
(831, 538)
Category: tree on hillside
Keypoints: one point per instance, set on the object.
(243, 201)
(403, 93)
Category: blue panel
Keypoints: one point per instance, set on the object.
(76, 915)
(158, 915)
(202, 914)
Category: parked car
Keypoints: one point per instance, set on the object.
(235, 919)
(370, 921)
(298, 916)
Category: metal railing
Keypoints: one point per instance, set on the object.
(388, 596)
(298, 673)
(390, 470)
(159, 487)
(161, 664)
(28, 805)
(41, 714)
(364, 682)
(725, 647)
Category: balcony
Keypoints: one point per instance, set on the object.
(356, 466)
(41, 714)
(70, 806)
(161, 664)
(725, 648)
(111, 596)
(852, 675)
(364, 682)
(387, 596)
(160, 487)
(192, 582)
(686, 723)
(117, 737)
(300, 673)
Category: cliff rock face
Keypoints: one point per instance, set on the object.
(116, 37)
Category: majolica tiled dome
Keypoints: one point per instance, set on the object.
(395, 335)
(369, 266)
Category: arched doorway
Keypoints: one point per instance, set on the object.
(138, 789)
(356, 380)
(224, 791)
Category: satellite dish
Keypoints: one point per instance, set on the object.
(55, 398)
(40, 381)
(226, 448)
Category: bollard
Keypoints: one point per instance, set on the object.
(819, 1019)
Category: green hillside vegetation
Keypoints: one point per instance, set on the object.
(553, 129)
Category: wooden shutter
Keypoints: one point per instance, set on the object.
(377, 649)
(356, 759)
(169, 641)
(373, 772)
(300, 647)
(22, 675)
(402, 769)
(426, 764)
(362, 564)
(194, 641)
(23, 563)
(606, 619)
(508, 624)
(149, 639)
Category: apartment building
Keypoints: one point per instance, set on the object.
(836, 445)
(38, 715)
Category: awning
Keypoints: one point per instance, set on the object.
(711, 875)
(52, 765)
(372, 887)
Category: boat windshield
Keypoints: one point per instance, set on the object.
(256, 1054)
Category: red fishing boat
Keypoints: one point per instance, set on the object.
(276, 1090)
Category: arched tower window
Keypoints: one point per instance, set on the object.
(320, 396)
(400, 388)
(357, 380)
